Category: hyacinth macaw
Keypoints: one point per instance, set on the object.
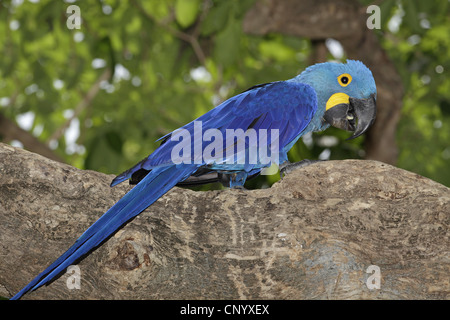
(324, 94)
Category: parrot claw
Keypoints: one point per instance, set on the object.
(288, 167)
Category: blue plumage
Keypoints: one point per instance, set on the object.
(285, 106)
(291, 108)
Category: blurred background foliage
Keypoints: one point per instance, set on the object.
(100, 96)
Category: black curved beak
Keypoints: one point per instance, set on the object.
(357, 116)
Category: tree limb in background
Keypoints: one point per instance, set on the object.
(10, 131)
(83, 104)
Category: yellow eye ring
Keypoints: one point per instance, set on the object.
(344, 79)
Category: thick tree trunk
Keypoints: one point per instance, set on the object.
(345, 21)
(311, 236)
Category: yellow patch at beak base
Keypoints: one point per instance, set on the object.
(337, 98)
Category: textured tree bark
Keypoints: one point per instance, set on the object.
(345, 21)
(310, 236)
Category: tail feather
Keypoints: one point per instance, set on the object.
(150, 189)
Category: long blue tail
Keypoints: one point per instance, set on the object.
(146, 192)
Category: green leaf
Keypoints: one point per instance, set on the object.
(227, 43)
(411, 16)
(386, 8)
(186, 12)
(217, 18)
(276, 50)
(114, 141)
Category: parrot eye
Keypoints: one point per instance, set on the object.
(344, 79)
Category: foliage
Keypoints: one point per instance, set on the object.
(101, 95)
(421, 50)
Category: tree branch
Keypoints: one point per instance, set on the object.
(83, 104)
(192, 39)
(308, 240)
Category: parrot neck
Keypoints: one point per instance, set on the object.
(314, 76)
(311, 79)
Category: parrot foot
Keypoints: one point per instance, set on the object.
(288, 167)
(234, 180)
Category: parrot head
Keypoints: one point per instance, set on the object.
(346, 94)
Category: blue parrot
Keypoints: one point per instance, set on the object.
(266, 121)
